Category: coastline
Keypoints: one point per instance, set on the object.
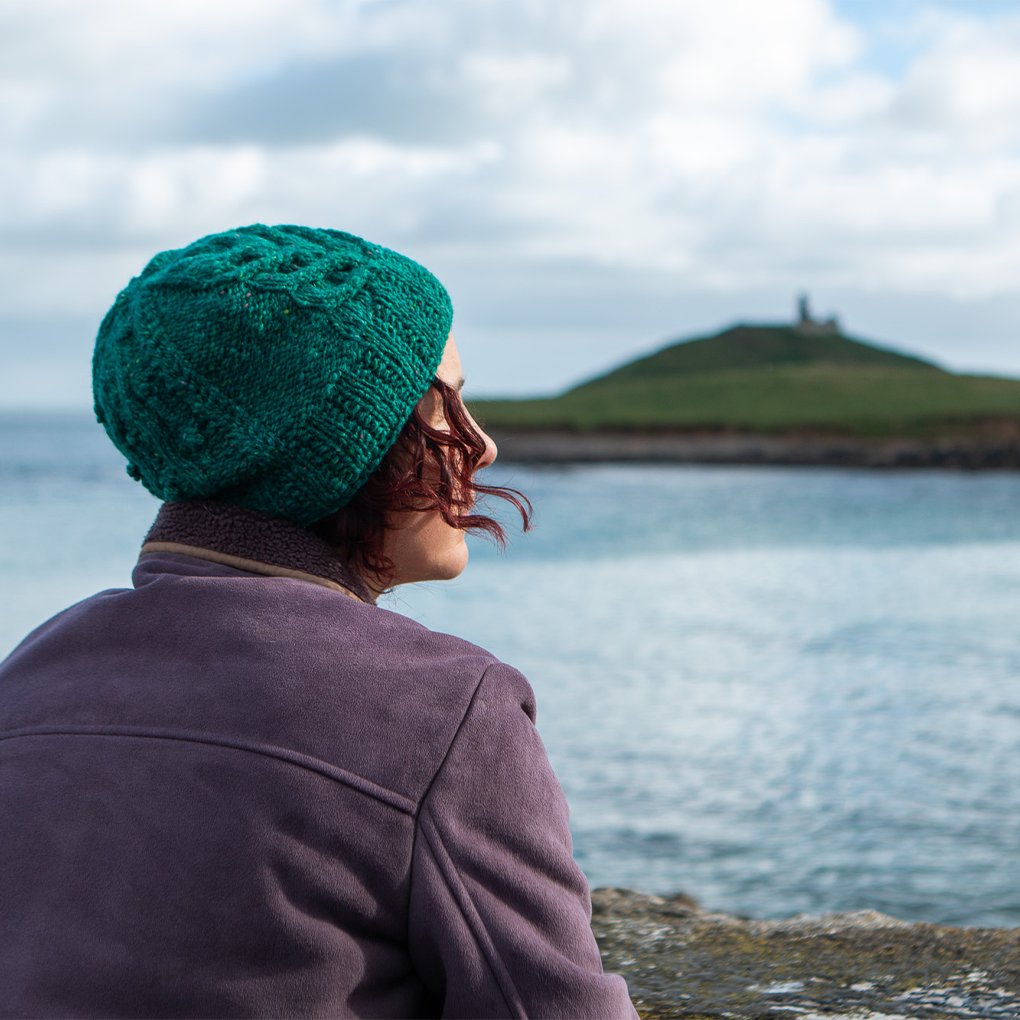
(560, 446)
(682, 961)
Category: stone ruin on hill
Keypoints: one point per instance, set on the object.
(806, 323)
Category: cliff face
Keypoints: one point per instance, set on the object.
(681, 961)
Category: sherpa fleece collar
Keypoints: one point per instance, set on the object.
(253, 541)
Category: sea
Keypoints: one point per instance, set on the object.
(778, 690)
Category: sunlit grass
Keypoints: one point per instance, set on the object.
(853, 399)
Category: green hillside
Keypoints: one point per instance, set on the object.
(749, 347)
(773, 379)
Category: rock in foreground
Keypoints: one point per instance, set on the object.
(681, 961)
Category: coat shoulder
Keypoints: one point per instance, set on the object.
(271, 661)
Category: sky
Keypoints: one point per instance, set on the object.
(591, 179)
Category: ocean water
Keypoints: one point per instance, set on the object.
(778, 690)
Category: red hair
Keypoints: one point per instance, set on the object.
(426, 469)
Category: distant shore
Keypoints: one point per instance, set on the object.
(541, 446)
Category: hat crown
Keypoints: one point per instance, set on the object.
(267, 366)
(316, 263)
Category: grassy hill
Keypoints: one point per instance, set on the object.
(774, 379)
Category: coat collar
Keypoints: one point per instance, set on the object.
(253, 541)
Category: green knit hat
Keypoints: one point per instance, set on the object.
(271, 367)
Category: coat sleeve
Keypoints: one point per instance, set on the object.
(500, 915)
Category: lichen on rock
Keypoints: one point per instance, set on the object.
(682, 961)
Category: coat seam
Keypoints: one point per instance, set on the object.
(428, 789)
(333, 772)
(465, 906)
(453, 739)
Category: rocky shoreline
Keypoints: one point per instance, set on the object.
(682, 961)
(565, 447)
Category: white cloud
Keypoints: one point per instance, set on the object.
(966, 85)
(725, 146)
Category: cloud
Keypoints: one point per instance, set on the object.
(722, 148)
(366, 95)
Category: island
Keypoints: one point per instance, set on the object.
(800, 393)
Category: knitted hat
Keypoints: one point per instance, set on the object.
(271, 367)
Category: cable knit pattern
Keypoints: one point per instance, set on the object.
(270, 367)
(251, 535)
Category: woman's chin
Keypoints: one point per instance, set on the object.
(430, 564)
(449, 566)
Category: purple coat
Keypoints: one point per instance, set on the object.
(238, 789)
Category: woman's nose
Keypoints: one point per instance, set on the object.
(490, 450)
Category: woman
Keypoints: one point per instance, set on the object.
(240, 788)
